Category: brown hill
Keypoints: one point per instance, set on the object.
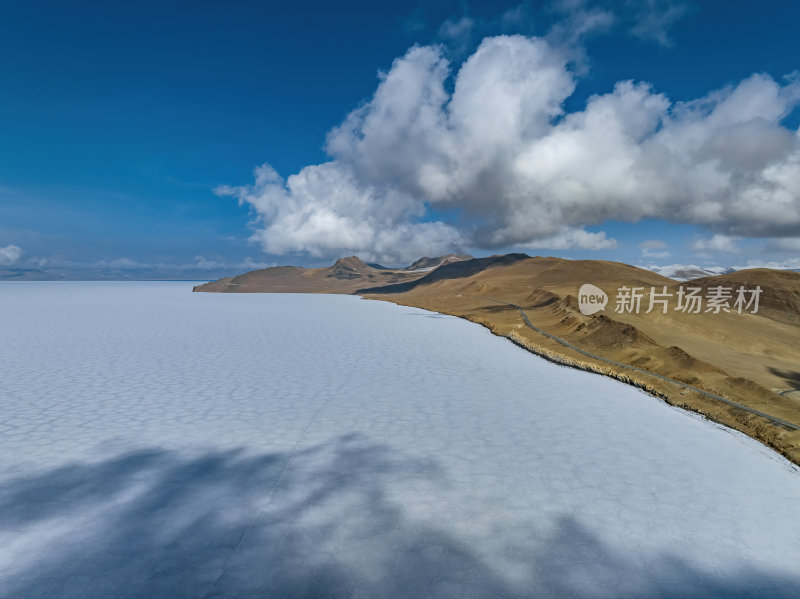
(350, 268)
(450, 270)
(426, 263)
(752, 345)
(346, 275)
(780, 290)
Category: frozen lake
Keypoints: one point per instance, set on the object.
(159, 443)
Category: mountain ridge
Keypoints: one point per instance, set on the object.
(346, 275)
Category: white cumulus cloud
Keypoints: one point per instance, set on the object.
(572, 238)
(653, 244)
(717, 243)
(789, 244)
(654, 248)
(10, 254)
(489, 144)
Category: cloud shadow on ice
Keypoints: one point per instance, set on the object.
(316, 523)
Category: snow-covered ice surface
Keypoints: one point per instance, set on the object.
(159, 443)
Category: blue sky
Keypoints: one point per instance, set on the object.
(129, 135)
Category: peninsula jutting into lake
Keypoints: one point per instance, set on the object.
(729, 364)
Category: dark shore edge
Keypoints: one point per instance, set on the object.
(751, 425)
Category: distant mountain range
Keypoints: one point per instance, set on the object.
(26, 274)
(108, 274)
(346, 275)
(368, 273)
(686, 272)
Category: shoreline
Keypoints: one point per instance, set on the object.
(783, 440)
